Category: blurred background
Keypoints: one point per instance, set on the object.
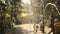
(26, 16)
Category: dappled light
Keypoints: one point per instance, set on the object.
(29, 16)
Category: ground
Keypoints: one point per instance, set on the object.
(28, 29)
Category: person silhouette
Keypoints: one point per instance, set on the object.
(52, 23)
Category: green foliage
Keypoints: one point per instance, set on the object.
(6, 13)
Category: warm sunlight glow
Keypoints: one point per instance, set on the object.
(26, 1)
(24, 14)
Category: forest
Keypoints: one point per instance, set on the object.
(16, 12)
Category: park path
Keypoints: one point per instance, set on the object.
(28, 29)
